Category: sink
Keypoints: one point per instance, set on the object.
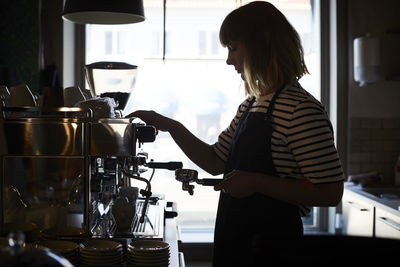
(390, 193)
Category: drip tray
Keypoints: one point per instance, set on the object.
(153, 225)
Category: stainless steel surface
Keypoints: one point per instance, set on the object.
(39, 137)
(112, 137)
(63, 163)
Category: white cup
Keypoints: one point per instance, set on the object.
(73, 95)
(21, 96)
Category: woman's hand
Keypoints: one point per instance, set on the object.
(159, 121)
(201, 153)
(238, 183)
(296, 191)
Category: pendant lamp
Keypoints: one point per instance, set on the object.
(104, 11)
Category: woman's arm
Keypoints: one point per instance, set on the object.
(201, 153)
(295, 191)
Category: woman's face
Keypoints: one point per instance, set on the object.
(236, 56)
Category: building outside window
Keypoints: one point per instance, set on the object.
(108, 43)
(193, 84)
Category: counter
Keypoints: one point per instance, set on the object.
(371, 195)
(172, 238)
(371, 212)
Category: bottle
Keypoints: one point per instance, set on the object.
(397, 171)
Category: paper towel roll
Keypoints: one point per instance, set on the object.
(366, 60)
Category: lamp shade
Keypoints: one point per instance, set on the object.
(104, 11)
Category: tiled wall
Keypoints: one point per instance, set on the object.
(374, 146)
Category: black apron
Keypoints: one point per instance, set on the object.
(244, 225)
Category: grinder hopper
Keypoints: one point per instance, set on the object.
(112, 79)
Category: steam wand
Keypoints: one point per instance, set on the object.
(146, 193)
(172, 165)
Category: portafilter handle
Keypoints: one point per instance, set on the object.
(187, 176)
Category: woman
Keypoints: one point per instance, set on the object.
(278, 155)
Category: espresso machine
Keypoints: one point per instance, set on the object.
(66, 173)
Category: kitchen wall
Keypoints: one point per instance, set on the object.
(31, 42)
(19, 42)
(374, 110)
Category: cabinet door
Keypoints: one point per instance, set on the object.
(358, 216)
(387, 225)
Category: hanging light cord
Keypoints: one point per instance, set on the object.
(164, 31)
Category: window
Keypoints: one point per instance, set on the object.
(108, 43)
(121, 43)
(193, 84)
(202, 42)
(215, 43)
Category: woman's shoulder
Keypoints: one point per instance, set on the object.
(245, 104)
(299, 98)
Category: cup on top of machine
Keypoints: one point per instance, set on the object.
(21, 96)
(4, 94)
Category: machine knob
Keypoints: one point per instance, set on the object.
(146, 133)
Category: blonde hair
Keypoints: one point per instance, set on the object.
(273, 53)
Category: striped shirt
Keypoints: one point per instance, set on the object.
(302, 141)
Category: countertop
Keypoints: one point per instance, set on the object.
(172, 238)
(389, 205)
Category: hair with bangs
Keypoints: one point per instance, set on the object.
(273, 52)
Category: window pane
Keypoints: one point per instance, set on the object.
(193, 85)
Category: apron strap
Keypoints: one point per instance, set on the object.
(268, 116)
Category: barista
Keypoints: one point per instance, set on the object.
(278, 155)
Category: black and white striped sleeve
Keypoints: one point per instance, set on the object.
(310, 138)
